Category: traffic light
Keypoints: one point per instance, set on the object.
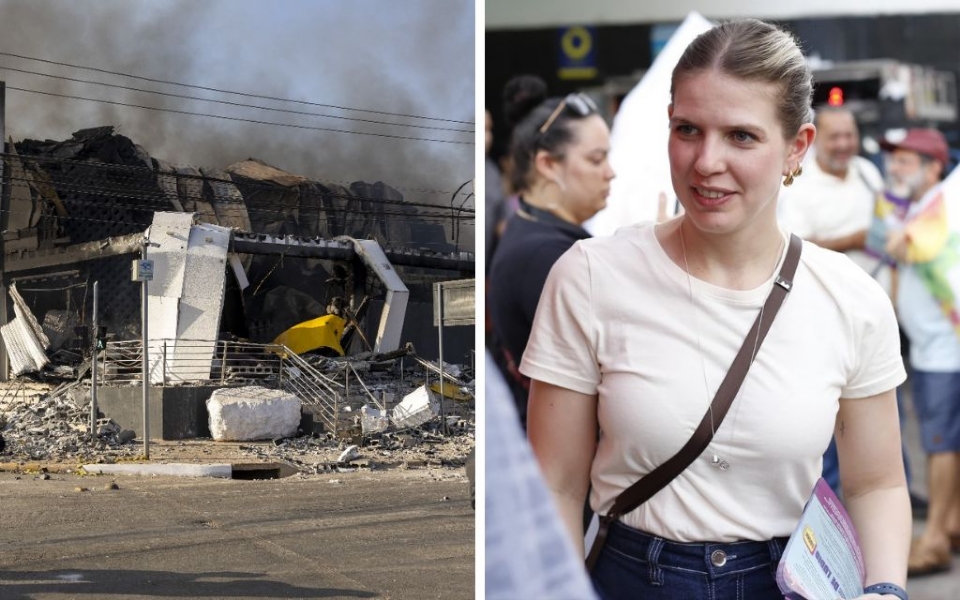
(835, 96)
(101, 337)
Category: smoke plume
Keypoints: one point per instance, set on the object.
(411, 57)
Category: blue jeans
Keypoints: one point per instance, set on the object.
(936, 397)
(634, 564)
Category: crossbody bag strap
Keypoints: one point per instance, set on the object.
(659, 478)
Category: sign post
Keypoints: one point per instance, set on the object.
(143, 272)
(453, 304)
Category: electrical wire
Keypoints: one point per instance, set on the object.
(221, 91)
(239, 119)
(228, 103)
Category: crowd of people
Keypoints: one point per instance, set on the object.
(617, 349)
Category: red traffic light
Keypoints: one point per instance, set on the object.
(835, 98)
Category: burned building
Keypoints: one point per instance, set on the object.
(74, 212)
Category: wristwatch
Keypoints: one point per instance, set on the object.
(891, 589)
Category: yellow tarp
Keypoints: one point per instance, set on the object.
(322, 332)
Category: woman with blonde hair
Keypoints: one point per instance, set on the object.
(635, 333)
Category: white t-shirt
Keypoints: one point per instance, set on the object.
(615, 319)
(822, 205)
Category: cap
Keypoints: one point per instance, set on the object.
(926, 141)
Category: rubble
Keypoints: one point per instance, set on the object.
(44, 422)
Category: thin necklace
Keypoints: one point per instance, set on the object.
(715, 459)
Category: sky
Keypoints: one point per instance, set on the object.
(409, 57)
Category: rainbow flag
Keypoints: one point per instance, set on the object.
(933, 244)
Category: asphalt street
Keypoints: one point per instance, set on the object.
(392, 534)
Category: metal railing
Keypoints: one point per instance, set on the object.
(228, 363)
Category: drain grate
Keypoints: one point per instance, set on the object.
(261, 470)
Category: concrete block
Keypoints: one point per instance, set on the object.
(373, 420)
(252, 413)
(416, 408)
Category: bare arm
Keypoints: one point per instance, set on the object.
(874, 484)
(562, 426)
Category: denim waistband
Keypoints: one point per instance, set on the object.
(714, 560)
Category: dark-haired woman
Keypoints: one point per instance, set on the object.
(559, 152)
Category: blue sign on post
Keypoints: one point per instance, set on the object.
(577, 52)
(142, 270)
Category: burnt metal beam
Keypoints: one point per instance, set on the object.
(342, 249)
(262, 243)
(244, 243)
(26, 260)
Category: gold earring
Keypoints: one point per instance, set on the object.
(788, 180)
(798, 172)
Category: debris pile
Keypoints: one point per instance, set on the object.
(50, 422)
(40, 422)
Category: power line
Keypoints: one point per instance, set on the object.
(248, 95)
(256, 121)
(228, 103)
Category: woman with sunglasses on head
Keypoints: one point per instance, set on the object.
(635, 333)
(559, 152)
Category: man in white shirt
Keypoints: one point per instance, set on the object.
(833, 202)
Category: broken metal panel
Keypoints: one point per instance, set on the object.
(162, 313)
(322, 332)
(260, 171)
(186, 299)
(238, 271)
(24, 338)
(23, 213)
(201, 304)
(58, 327)
(227, 200)
(190, 190)
(26, 354)
(167, 180)
(395, 304)
(23, 311)
(171, 231)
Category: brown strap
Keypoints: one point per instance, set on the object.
(659, 478)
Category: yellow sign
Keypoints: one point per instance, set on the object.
(577, 56)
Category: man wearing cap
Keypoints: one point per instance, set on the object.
(928, 301)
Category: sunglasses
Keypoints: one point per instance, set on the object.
(579, 103)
